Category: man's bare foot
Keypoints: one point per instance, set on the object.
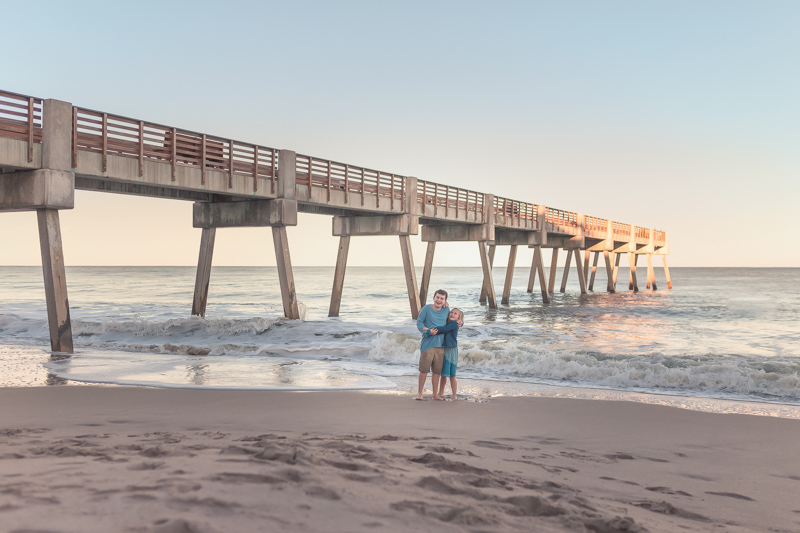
(440, 398)
(420, 399)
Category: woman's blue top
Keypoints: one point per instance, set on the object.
(450, 332)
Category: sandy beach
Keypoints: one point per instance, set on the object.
(85, 459)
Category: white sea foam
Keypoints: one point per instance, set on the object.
(699, 339)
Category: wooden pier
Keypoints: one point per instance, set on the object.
(50, 148)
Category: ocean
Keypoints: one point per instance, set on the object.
(722, 340)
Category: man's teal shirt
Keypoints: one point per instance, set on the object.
(431, 318)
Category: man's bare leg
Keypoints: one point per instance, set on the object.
(453, 386)
(435, 383)
(422, 377)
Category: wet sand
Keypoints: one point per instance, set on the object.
(85, 459)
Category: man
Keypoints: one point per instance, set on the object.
(431, 350)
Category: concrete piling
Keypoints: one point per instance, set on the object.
(55, 280)
(338, 275)
(512, 257)
(203, 276)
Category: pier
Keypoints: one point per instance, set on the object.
(50, 148)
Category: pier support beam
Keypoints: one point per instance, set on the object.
(426, 272)
(586, 254)
(55, 280)
(411, 276)
(617, 255)
(488, 282)
(532, 276)
(338, 275)
(566, 271)
(633, 284)
(512, 258)
(538, 266)
(666, 271)
(285, 275)
(594, 268)
(581, 270)
(551, 284)
(486, 289)
(203, 272)
(609, 272)
(651, 274)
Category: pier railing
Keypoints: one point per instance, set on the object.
(515, 214)
(595, 227)
(443, 201)
(620, 231)
(107, 134)
(566, 221)
(21, 117)
(388, 189)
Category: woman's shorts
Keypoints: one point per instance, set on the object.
(450, 362)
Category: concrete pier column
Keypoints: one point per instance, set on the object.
(512, 258)
(285, 274)
(203, 271)
(426, 273)
(609, 272)
(594, 268)
(486, 265)
(57, 160)
(581, 270)
(55, 280)
(586, 254)
(485, 289)
(566, 271)
(617, 255)
(633, 284)
(287, 175)
(532, 276)
(338, 275)
(538, 264)
(666, 271)
(651, 274)
(411, 276)
(551, 284)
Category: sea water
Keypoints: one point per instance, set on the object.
(720, 334)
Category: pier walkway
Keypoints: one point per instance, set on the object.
(50, 148)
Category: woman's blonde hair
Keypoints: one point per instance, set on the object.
(460, 314)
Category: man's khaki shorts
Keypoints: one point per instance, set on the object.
(431, 360)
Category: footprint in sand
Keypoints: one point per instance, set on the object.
(667, 490)
(731, 495)
(492, 445)
(668, 508)
(323, 493)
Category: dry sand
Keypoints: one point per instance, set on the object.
(86, 459)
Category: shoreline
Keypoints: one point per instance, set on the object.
(24, 366)
(146, 459)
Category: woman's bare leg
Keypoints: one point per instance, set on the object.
(442, 383)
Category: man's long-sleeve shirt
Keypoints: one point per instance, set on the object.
(431, 318)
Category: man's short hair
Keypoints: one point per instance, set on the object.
(442, 292)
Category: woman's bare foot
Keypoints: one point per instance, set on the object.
(420, 399)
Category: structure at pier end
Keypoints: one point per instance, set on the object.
(50, 148)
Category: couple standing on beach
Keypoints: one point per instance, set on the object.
(438, 352)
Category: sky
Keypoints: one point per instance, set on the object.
(682, 116)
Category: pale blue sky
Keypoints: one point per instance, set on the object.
(682, 116)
